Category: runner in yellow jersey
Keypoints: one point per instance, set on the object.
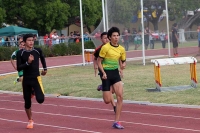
(108, 62)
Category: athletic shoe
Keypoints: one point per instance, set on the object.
(17, 80)
(30, 124)
(175, 55)
(114, 108)
(99, 87)
(117, 125)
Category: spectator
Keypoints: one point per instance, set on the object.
(2, 41)
(151, 38)
(175, 39)
(98, 35)
(146, 37)
(126, 39)
(8, 41)
(46, 40)
(78, 37)
(138, 40)
(12, 41)
(162, 37)
(71, 38)
(62, 38)
(86, 37)
(55, 38)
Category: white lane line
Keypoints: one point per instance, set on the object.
(89, 108)
(98, 119)
(75, 129)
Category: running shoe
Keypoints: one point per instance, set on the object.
(99, 87)
(117, 125)
(17, 80)
(30, 124)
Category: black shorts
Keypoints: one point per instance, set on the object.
(29, 84)
(112, 78)
(175, 44)
(146, 42)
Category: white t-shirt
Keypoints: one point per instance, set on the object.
(55, 39)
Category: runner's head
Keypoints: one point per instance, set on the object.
(28, 40)
(113, 35)
(104, 37)
(21, 44)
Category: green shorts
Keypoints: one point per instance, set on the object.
(20, 73)
(138, 42)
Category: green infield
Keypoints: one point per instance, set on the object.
(79, 81)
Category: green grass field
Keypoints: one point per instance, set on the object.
(80, 81)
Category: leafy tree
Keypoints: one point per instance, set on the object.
(43, 15)
(2, 14)
(121, 11)
(179, 9)
(153, 9)
(92, 12)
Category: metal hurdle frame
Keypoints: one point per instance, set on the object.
(89, 55)
(174, 61)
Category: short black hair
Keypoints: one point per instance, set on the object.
(175, 24)
(27, 36)
(104, 33)
(113, 29)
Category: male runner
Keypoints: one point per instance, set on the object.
(28, 61)
(108, 62)
(13, 57)
(104, 40)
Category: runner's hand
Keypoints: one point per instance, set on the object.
(44, 72)
(121, 73)
(30, 58)
(104, 76)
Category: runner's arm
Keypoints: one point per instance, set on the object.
(21, 66)
(13, 64)
(13, 56)
(99, 60)
(42, 59)
(95, 65)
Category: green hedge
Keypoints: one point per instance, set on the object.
(6, 52)
(55, 50)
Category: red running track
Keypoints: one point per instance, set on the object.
(63, 115)
(6, 67)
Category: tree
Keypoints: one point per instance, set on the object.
(180, 8)
(122, 11)
(153, 9)
(92, 12)
(43, 15)
(2, 14)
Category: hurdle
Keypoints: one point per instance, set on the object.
(174, 61)
(89, 55)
